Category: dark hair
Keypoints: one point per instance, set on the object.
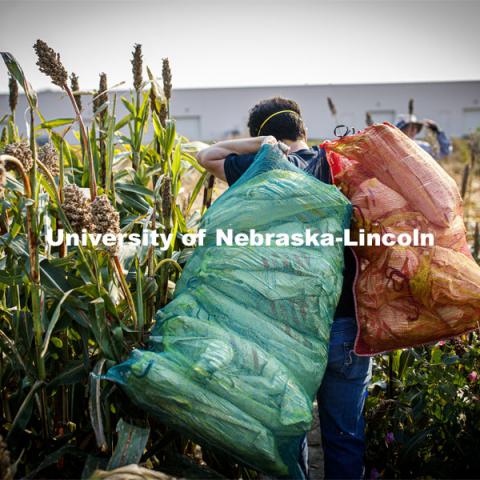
(284, 126)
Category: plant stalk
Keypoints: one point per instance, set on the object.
(86, 145)
(126, 290)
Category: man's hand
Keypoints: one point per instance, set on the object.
(269, 139)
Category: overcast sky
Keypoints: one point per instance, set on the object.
(249, 42)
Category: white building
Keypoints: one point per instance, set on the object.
(214, 113)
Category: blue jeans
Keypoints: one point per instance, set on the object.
(341, 399)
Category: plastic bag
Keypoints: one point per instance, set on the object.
(238, 355)
(405, 296)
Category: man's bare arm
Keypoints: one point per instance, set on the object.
(213, 158)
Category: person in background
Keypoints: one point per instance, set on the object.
(411, 127)
(342, 394)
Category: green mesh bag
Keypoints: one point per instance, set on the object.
(236, 358)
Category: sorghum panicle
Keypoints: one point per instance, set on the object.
(163, 115)
(411, 107)
(101, 97)
(166, 196)
(12, 93)
(105, 219)
(331, 106)
(167, 79)
(50, 64)
(77, 209)
(48, 155)
(75, 86)
(153, 101)
(137, 65)
(21, 151)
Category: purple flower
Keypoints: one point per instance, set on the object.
(374, 474)
(472, 376)
(389, 438)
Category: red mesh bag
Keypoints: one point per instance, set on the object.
(405, 296)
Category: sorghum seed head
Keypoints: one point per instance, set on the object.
(12, 93)
(77, 209)
(75, 86)
(163, 114)
(411, 106)
(48, 155)
(21, 151)
(331, 106)
(137, 65)
(153, 101)
(50, 64)
(166, 196)
(167, 79)
(101, 97)
(105, 219)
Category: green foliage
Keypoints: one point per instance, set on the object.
(66, 315)
(428, 423)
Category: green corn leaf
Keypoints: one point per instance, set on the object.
(130, 106)
(176, 164)
(134, 202)
(130, 445)
(11, 280)
(169, 139)
(94, 405)
(14, 185)
(57, 122)
(74, 372)
(52, 323)
(123, 122)
(196, 190)
(133, 188)
(26, 409)
(182, 226)
(17, 72)
(99, 326)
(192, 161)
(52, 458)
(53, 277)
(157, 127)
(143, 112)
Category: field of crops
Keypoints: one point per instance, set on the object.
(68, 314)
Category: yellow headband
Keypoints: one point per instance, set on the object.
(273, 115)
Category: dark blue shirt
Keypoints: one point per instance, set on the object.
(313, 161)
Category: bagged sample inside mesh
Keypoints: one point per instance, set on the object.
(410, 295)
(236, 358)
